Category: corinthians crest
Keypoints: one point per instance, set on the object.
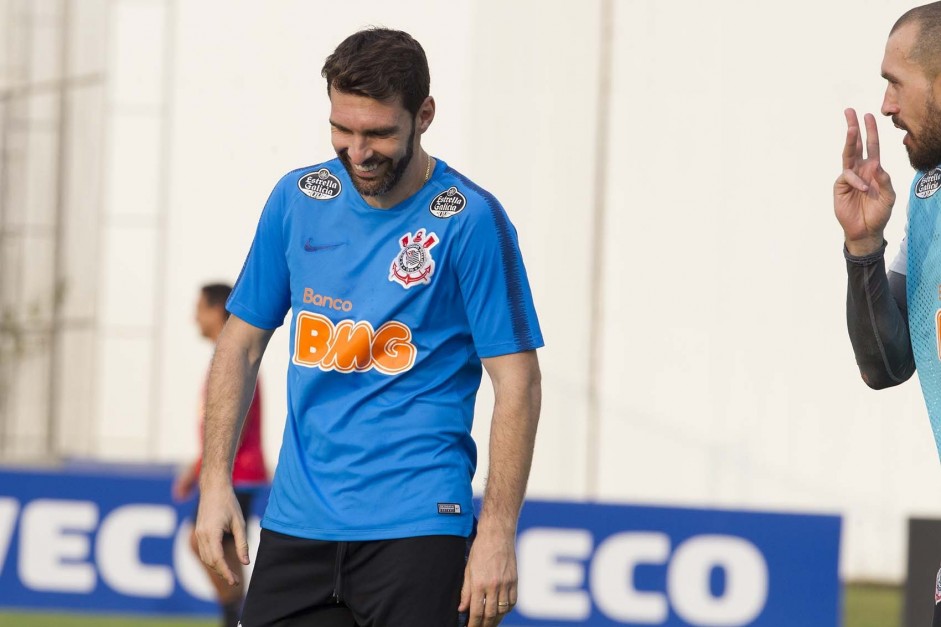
(413, 264)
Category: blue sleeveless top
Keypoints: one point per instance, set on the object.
(923, 284)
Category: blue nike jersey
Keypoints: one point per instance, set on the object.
(392, 312)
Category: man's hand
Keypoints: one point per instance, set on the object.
(231, 383)
(862, 195)
(219, 513)
(490, 579)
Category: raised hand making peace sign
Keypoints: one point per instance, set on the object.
(862, 195)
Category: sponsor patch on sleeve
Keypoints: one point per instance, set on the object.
(928, 184)
(448, 203)
(320, 185)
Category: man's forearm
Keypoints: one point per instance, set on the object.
(232, 378)
(877, 323)
(512, 437)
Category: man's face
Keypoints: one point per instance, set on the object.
(910, 99)
(209, 319)
(374, 140)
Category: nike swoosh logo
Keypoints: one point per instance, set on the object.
(310, 247)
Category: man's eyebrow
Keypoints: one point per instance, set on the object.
(889, 77)
(380, 130)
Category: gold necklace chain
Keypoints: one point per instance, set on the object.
(427, 171)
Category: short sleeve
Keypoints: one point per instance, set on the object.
(497, 297)
(262, 293)
(900, 263)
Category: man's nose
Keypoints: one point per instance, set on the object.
(890, 105)
(359, 150)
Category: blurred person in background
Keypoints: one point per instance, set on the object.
(894, 318)
(248, 470)
(406, 280)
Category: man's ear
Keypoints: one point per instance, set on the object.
(426, 115)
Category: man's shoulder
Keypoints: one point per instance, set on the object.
(462, 198)
(926, 184)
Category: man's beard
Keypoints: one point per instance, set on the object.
(391, 178)
(925, 153)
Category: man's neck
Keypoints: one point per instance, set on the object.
(412, 181)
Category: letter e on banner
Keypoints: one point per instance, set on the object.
(54, 539)
(552, 573)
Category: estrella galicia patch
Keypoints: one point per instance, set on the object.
(928, 184)
(448, 203)
(320, 185)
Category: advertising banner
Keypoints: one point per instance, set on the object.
(99, 538)
(600, 565)
(112, 540)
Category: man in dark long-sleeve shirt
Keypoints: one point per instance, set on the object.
(877, 318)
(894, 317)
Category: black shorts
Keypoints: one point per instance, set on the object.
(414, 582)
(244, 497)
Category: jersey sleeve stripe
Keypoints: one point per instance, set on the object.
(522, 330)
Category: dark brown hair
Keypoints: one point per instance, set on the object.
(380, 63)
(216, 294)
(926, 51)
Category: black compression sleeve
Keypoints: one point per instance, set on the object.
(877, 320)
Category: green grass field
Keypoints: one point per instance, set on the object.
(95, 620)
(872, 605)
(866, 605)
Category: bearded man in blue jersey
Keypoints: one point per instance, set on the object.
(405, 281)
(894, 318)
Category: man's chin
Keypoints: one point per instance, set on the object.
(374, 185)
(370, 188)
(368, 192)
(923, 163)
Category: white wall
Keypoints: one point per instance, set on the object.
(133, 227)
(52, 97)
(730, 379)
(727, 375)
